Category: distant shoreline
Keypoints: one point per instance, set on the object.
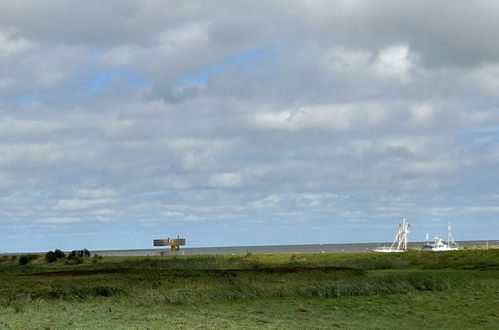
(298, 248)
(262, 249)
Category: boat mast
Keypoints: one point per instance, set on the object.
(450, 238)
(402, 236)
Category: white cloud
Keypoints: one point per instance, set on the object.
(58, 220)
(422, 114)
(173, 214)
(339, 117)
(97, 193)
(80, 204)
(311, 200)
(487, 77)
(16, 127)
(191, 112)
(11, 46)
(394, 62)
(225, 180)
(267, 202)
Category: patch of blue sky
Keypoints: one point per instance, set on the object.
(480, 136)
(485, 140)
(485, 129)
(37, 193)
(28, 99)
(148, 194)
(242, 62)
(71, 177)
(106, 80)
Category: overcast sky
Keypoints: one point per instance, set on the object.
(246, 122)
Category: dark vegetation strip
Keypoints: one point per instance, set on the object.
(216, 272)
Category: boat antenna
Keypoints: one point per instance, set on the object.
(450, 238)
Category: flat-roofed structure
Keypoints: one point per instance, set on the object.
(174, 243)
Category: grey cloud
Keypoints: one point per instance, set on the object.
(93, 22)
(356, 113)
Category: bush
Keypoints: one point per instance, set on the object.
(96, 258)
(23, 260)
(79, 254)
(74, 261)
(26, 258)
(55, 255)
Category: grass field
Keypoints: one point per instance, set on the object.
(283, 291)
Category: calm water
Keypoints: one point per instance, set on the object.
(311, 248)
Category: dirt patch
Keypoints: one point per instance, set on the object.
(256, 271)
(199, 272)
(80, 272)
(288, 270)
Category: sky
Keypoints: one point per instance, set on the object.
(246, 122)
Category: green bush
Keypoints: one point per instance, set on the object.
(72, 255)
(26, 258)
(74, 261)
(79, 254)
(55, 255)
(23, 260)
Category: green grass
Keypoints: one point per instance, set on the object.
(350, 290)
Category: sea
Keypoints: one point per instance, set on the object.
(258, 249)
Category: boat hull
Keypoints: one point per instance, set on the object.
(388, 250)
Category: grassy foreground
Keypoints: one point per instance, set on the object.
(320, 291)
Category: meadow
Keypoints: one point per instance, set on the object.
(458, 289)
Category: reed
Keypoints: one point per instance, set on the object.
(193, 282)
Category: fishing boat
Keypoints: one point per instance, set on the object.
(441, 245)
(400, 242)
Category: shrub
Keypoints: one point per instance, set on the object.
(96, 258)
(26, 258)
(74, 261)
(79, 254)
(72, 255)
(23, 260)
(55, 255)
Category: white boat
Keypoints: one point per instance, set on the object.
(439, 244)
(400, 242)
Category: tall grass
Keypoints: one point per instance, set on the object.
(207, 279)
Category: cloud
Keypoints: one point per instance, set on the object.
(79, 204)
(225, 180)
(11, 46)
(311, 114)
(96, 193)
(337, 117)
(58, 220)
(267, 202)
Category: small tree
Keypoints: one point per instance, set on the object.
(78, 254)
(72, 255)
(55, 255)
(74, 261)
